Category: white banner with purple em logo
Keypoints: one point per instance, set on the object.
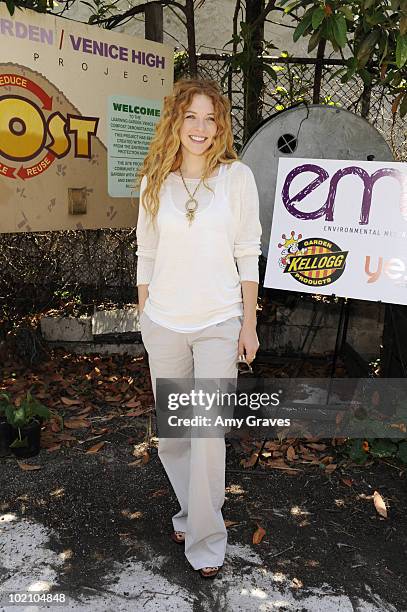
(340, 227)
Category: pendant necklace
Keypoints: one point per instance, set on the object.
(192, 203)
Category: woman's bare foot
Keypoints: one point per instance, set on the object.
(209, 572)
(178, 537)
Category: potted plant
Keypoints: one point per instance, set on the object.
(25, 421)
(5, 429)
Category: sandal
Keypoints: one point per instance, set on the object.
(209, 572)
(178, 537)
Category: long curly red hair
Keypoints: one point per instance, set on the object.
(165, 154)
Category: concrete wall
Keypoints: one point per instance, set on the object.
(285, 335)
(213, 24)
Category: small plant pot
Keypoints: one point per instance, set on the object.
(31, 434)
(5, 437)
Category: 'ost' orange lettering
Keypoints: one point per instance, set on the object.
(22, 128)
(24, 131)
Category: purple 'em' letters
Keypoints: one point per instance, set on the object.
(328, 208)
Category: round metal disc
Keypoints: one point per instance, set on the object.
(314, 132)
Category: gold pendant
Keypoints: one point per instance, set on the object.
(190, 214)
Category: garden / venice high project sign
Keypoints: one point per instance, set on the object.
(340, 227)
(78, 108)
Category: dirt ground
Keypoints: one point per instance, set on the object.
(318, 530)
(108, 505)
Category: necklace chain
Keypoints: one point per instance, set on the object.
(190, 210)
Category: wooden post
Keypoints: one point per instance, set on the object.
(190, 21)
(253, 79)
(153, 26)
(319, 67)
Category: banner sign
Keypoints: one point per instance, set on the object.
(340, 227)
(78, 108)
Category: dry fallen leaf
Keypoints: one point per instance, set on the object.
(159, 493)
(379, 504)
(347, 481)
(137, 463)
(101, 431)
(76, 423)
(315, 446)
(230, 523)
(133, 404)
(66, 437)
(54, 447)
(258, 535)
(331, 467)
(135, 413)
(71, 402)
(306, 458)
(113, 399)
(85, 411)
(132, 515)
(95, 448)
(272, 445)
(28, 466)
(327, 459)
(246, 463)
(139, 449)
(291, 455)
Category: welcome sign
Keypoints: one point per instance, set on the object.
(340, 227)
(78, 108)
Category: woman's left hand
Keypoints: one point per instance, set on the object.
(248, 341)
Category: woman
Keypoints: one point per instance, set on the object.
(198, 237)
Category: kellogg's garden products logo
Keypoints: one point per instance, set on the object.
(312, 261)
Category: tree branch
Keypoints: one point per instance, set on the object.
(184, 23)
(115, 20)
(261, 18)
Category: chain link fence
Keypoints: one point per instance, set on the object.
(94, 267)
(294, 84)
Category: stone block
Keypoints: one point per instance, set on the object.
(70, 329)
(117, 321)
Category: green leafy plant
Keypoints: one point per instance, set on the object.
(247, 57)
(68, 301)
(181, 64)
(41, 6)
(381, 417)
(360, 450)
(19, 417)
(4, 402)
(373, 31)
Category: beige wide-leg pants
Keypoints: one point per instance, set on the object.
(195, 466)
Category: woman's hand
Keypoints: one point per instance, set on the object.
(142, 297)
(248, 341)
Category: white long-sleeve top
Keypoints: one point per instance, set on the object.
(194, 272)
